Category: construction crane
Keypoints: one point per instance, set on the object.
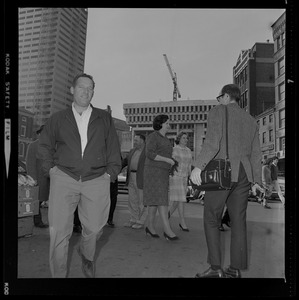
(176, 92)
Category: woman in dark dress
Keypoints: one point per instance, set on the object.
(157, 165)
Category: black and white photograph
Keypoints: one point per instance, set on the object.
(148, 145)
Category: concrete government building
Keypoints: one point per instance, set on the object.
(186, 115)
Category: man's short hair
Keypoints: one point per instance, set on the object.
(83, 75)
(158, 121)
(233, 91)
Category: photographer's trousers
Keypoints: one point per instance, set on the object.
(236, 200)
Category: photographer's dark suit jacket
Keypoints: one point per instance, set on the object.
(243, 141)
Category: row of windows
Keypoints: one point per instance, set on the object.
(244, 100)
(281, 119)
(279, 42)
(281, 66)
(281, 124)
(167, 109)
(281, 91)
(201, 117)
(270, 136)
(174, 126)
(242, 77)
(264, 120)
(28, 33)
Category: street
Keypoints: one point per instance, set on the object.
(128, 253)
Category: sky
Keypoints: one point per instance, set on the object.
(125, 47)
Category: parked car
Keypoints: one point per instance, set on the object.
(193, 195)
(121, 178)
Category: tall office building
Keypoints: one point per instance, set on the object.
(254, 73)
(51, 52)
(279, 33)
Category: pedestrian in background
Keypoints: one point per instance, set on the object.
(179, 181)
(81, 153)
(33, 168)
(267, 182)
(134, 180)
(245, 157)
(113, 201)
(274, 177)
(158, 161)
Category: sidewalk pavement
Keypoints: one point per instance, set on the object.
(128, 253)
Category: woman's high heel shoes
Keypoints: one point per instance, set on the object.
(154, 235)
(184, 229)
(167, 237)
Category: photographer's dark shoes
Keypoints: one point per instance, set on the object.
(232, 273)
(210, 273)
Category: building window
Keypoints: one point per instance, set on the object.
(282, 144)
(282, 39)
(264, 121)
(21, 149)
(271, 135)
(281, 92)
(264, 137)
(23, 130)
(280, 65)
(281, 117)
(278, 42)
(271, 118)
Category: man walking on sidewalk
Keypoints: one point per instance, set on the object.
(135, 165)
(81, 154)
